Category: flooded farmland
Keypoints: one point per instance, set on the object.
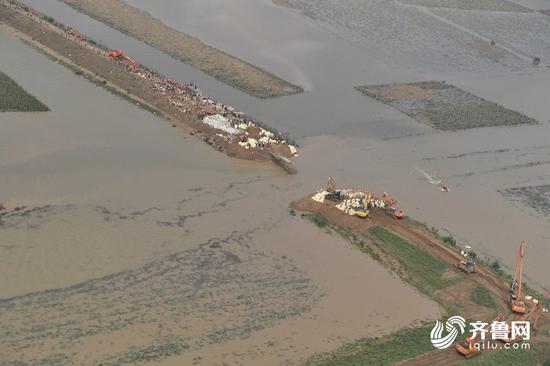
(140, 243)
(479, 162)
(118, 219)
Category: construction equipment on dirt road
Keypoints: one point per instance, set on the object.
(532, 316)
(333, 193)
(362, 211)
(122, 57)
(467, 347)
(467, 264)
(516, 301)
(390, 205)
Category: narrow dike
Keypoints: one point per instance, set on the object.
(221, 126)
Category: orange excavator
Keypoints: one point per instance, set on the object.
(122, 57)
(533, 316)
(467, 347)
(390, 205)
(516, 301)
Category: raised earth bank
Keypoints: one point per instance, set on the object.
(224, 67)
(426, 261)
(184, 105)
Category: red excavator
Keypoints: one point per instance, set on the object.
(467, 347)
(122, 57)
(390, 205)
(533, 316)
(516, 301)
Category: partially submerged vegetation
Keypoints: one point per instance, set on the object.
(403, 344)
(444, 106)
(536, 197)
(13, 98)
(224, 67)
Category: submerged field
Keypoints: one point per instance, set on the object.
(230, 70)
(223, 290)
(536, 198)
(404, 33)
(486, 5)
(13, 98)
(444, 106)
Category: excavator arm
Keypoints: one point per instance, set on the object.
(516, 302)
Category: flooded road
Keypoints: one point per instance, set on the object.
(124, 198)
(136, 238)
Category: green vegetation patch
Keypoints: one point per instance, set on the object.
(403, 344)
(444, 106)
(423, 270)
(13, 98)
(482, 296)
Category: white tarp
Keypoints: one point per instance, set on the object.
(220, 122)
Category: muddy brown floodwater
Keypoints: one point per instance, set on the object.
(337, 45)
(125, 241)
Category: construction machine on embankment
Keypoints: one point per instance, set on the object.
(468, 264)
(333, 193)
(122, 57)
(390, 205)
(467, 347)
(517, 305)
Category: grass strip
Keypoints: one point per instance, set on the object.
(424, 271)
(482, 296)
